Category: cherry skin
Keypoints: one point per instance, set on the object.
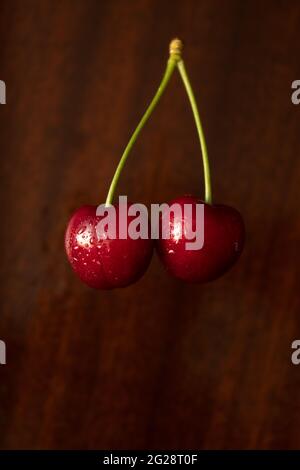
(224, 235)
(100, 262)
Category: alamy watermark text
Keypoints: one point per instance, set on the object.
(2, 352)
(2, 92)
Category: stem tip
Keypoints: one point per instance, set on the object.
(176, 47)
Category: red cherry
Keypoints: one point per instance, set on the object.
(100, 262)
(224, 235)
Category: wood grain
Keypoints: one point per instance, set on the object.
(160, 364)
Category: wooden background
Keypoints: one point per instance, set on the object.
(160, 364)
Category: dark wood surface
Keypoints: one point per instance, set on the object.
(160, 364)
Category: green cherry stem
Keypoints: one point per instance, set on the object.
(191, 96)
(175, 50)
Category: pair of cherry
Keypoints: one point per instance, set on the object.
(107, 263)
